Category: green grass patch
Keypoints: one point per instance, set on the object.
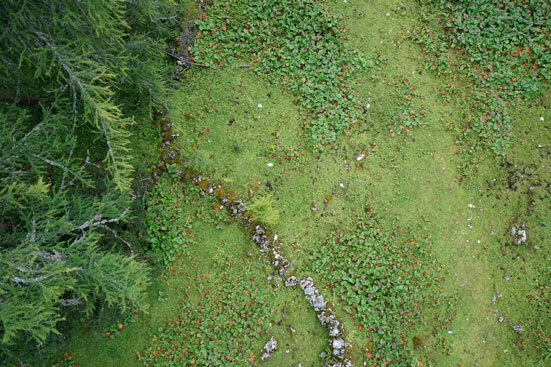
(403, 177)
(522, 191)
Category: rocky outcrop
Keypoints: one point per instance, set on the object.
(268, 244)
(519, 234)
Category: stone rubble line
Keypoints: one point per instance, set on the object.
(325, 311)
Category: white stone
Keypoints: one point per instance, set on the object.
(338, 343)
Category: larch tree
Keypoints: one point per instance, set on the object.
(71, 73)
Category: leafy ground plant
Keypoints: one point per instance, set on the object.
(114, 330)
(385, 280)
(542, 302)
(495, 54)
(167, 237)
(220, 328)
(299, 44)
(65, 361)
(408, 114)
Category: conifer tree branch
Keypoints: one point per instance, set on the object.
(72, 63)
(64, 185)
(76, 83)
(71, 301)
(71, 151)
(19, 280)
(55, 256)
(58, 165)
(115, 234)
(98, 221)
(108, 141)
(32, 235)
(77, 240)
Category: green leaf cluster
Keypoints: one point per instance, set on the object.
(408, 112)
(168, 233)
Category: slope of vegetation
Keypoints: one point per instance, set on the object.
(398, 152)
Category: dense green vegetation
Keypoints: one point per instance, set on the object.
(394, 152)
(300, 44)
(76, 79)
(494, 55)
(386, 280)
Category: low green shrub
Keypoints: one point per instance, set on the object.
(262, 210)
